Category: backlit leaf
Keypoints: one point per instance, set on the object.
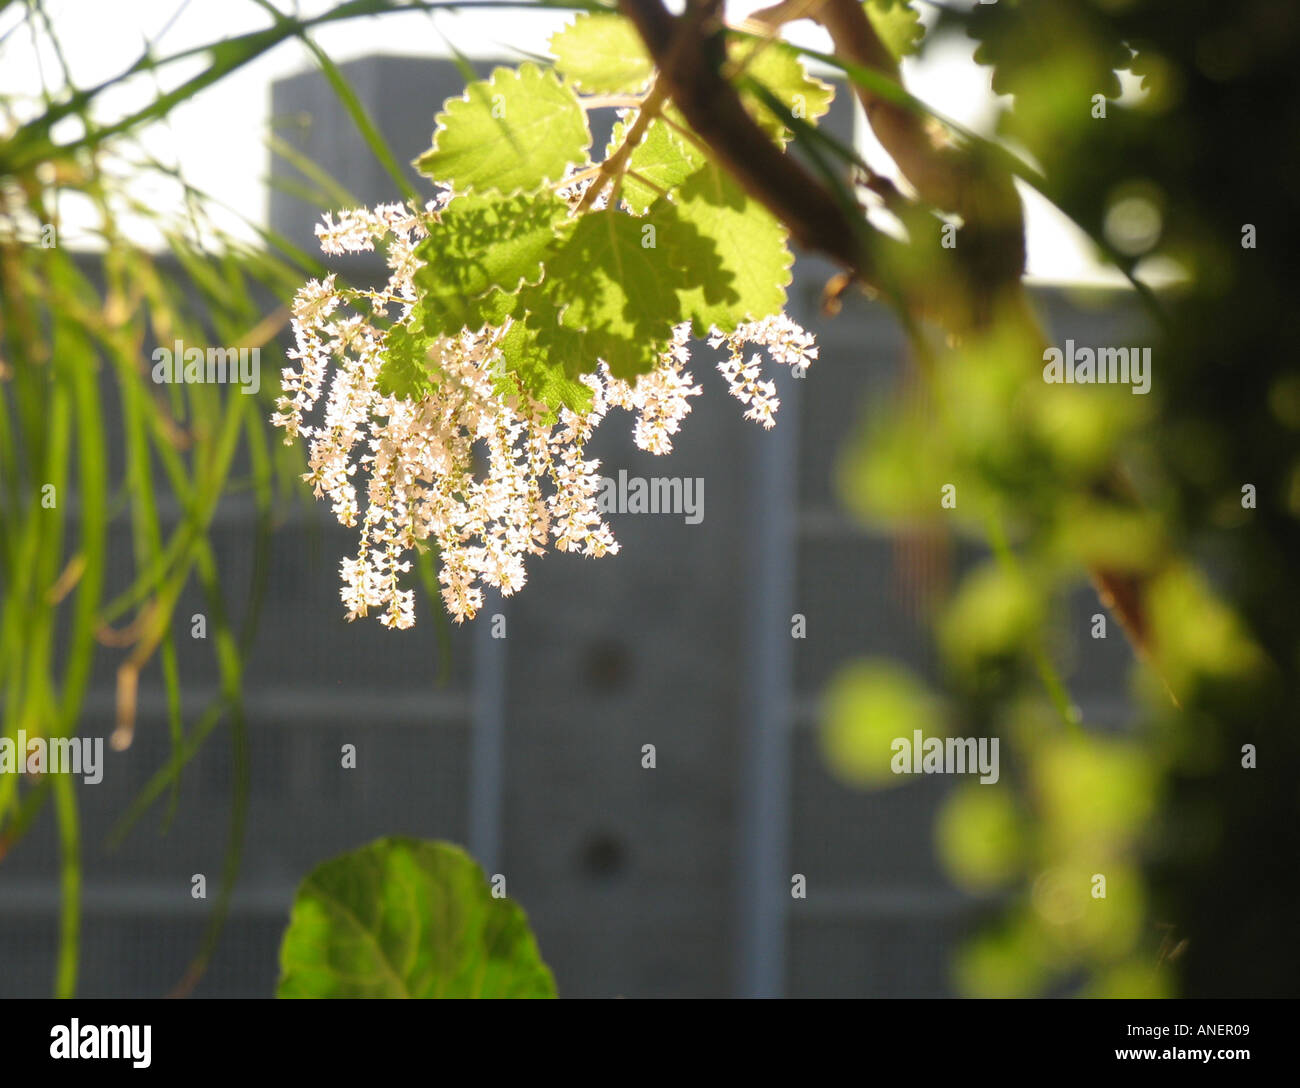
(405, 918)
(515, 132)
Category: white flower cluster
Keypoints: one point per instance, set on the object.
(786, 343)
(485, 475)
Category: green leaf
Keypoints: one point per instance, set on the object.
(897, 24)
(663, 158)
(548, 371)
(740, 246)
(602, 54)
(515, 132)
(405, 918)
(780, 69)
(613, 280)
(405, 369)
(480, 254)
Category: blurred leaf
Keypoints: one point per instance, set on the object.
(894, 468)
(1004, 962)
(1197, 636)
(897, 24)
(781, 70)
(994, 613)
(1078, 925)
(1079, 427)
(1107, 536)
(1131, 979)
(869, 705)
(979, 837)
(1092, 790)
(1025, 40)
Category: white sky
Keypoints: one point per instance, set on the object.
(219, 137)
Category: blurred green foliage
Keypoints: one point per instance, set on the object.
(1198, 845)
(142, 262)
(74, 382)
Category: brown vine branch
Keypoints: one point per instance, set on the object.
(947, 177)
(615, 164)
(684, 50)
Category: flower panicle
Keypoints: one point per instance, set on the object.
(475, 468)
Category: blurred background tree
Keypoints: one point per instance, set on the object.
(1183, 506)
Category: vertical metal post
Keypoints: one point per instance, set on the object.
(764, 822)
(487, 739)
